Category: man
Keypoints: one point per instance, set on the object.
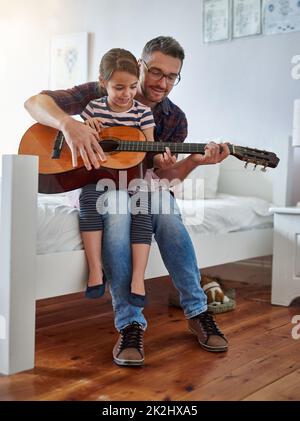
(160, 68)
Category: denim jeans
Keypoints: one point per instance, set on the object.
(175, 246)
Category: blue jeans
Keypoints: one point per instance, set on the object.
(176, 249)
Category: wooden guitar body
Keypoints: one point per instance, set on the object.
(59, 175)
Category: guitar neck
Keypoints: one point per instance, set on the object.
(188, 148)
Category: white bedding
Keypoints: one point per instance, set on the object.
(226, 213)
(58, 228)
(58, 225)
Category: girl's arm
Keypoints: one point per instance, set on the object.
(149, 134)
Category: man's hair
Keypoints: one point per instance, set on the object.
(118, 59)
(166, 45)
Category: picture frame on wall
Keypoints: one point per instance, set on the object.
(281, 16)
(216, 21)
(69, 60)
(247, 20)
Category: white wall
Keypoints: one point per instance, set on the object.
(240, 90)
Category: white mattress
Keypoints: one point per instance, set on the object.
(58, 228)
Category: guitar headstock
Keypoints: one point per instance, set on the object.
(255, 156)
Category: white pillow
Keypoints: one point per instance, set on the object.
(201, 183)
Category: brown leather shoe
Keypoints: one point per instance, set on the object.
(208, 333)
(129, 350)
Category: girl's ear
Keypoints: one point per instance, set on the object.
(102, 81)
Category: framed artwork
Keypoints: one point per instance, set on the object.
(281, 16)
(69, 60)
(216, 20)
(246, 18)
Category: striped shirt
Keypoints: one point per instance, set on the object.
(138, 116)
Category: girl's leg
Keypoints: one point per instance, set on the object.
(140, 255)
(141, 237)
(92, 241)
(91, 227)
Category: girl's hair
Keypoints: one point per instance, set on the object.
(118, 59)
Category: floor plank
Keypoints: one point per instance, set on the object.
(285, 388)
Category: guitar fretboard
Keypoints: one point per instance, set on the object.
(161, 146)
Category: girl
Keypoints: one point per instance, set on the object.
(119, 74)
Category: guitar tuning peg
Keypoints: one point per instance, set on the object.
(246, 164)
(263, 169)
(254, 167)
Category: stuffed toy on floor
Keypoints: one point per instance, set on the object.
(217, 301)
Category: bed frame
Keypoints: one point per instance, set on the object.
(26, 276)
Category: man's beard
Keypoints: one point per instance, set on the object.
(152, 97)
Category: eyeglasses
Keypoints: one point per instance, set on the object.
(156, 74)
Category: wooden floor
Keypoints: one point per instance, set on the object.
(75, 337)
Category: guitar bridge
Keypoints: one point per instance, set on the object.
(58, 144)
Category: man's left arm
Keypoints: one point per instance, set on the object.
(214, 153)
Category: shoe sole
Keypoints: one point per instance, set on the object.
(129, 363)
(207, 347)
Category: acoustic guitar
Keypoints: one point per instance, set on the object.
(125, 148)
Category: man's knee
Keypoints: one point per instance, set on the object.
(163, 203)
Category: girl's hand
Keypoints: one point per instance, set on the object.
(164, 160)
(95, 123)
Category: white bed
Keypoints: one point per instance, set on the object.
(41, 252)
(58, 228)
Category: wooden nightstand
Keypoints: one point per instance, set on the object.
(286, 255)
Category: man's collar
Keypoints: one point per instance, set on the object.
(165, 106)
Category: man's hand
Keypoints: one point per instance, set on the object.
(164, 160)
(83, 139)
(214, 153)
